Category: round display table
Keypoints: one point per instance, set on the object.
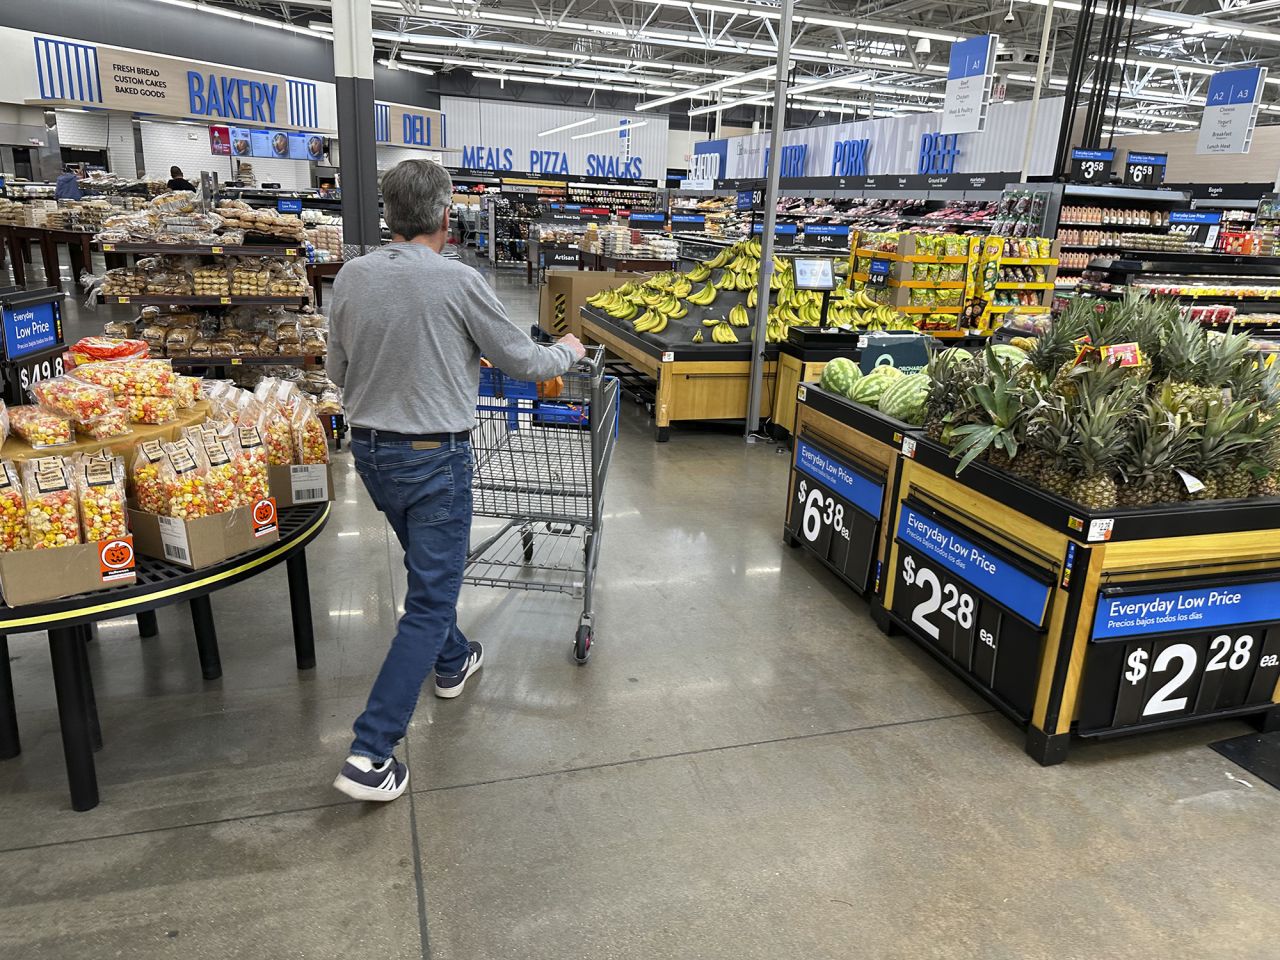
(70, 621)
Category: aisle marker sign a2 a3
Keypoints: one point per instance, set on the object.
(835, 511)
(1170, 654)
(973, 605)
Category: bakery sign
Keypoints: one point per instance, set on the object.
(72, 73)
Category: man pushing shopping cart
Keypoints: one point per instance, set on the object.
(406, 333)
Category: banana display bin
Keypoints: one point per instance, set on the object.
(1073, 623)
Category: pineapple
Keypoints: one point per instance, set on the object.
(1000, 418)
(1100, 419)
(1048, 436)
(1159, 443)
(1228, 439)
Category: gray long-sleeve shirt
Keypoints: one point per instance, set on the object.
(407, 328)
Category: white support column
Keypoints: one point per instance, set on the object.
(1045, 33)
(770, 219)
(358, 163)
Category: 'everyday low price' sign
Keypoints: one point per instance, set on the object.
(31, 328)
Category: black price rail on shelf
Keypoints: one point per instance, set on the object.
(161, 300)
(232, 250)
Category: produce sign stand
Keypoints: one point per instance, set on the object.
(30, 339)
(843, 482)
(706, 381)
(1098, 623)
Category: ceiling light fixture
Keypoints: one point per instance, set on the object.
(397, 65)
(735, 81)
(618, 129)
(567, 126)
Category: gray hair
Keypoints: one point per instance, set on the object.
(415, 196)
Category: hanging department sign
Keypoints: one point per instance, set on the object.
(70, 73)
(1231, 110)
(398, 125)
(969, 84)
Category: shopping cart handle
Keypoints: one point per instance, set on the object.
(593, 362)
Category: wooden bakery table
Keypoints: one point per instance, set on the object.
(78, 243)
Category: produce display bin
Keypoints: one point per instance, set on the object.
(693, 381)
(842, 486)
(1096, 623)
(801, 359)
(565, 291)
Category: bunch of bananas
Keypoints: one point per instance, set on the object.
(698, 274)
(704, 297)
(723, 333)
(651, 321)
(738, 316)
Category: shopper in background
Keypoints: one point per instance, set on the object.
(67, 186)
(178, 182)
(406, 333)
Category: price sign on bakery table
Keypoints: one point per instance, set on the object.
(835, 511)
(688, 222)
(1145, 169)
(980, 607)
(1180, 653)
(284, 205)
(1091, 166)
(21, 375)
(559, 257)
(878, 272)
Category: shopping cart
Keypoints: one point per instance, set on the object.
(541, 463)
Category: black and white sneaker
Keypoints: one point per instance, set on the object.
(451, 686)
(361, 779)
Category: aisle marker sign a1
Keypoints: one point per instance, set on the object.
(1006, 584)
(969, 84)
(1231, 111)
(1145, 169)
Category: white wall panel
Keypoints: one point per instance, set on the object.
(502, 126)
(1259, 165)
(169, 144)
(110, 131)
(895, 143)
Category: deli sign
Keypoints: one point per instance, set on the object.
(69, 72)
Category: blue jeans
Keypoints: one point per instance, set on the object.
(426, 497)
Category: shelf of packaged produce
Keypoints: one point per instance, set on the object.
(919, 309)
(908, 258)
(953, 334)
(238, 250)
(281, 361)
(1024, 308)
(1114, 226)
(1267, 298)
(160, 300)
(1015, 285)
(1028, 261)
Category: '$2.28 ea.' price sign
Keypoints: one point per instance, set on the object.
(1181, 653)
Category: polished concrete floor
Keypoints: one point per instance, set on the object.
(746, 769)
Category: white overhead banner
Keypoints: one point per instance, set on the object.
(1231, 110)
(973, 62)
(531, 138)
(911, 144)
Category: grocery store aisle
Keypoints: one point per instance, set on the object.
(746, 769)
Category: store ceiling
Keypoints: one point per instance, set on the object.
(850, 59)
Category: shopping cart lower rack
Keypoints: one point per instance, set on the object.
(541, 461)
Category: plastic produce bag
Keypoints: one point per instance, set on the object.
(13, 510)
(186, 392)
(130, 378)
(182, 481)
(53, 515)
(94, 349)
(151, 410)
(310, 440)
(74, 398)
(39, 427)
(113, 424)
(101, 488)
(145, 488)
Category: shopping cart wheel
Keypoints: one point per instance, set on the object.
(526, 537)
(582, 644)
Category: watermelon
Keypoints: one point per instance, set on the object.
(904, 398)
(840, 375)
(955, 353)
(885, 370)
(1009, 355)
(868, 389)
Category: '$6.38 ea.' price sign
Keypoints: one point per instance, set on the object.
(835, 511)
(1181, 653)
